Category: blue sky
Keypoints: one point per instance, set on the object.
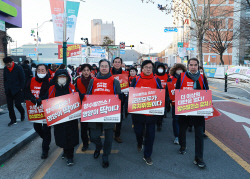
(134, 22)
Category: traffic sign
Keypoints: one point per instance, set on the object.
(170, 29)
(31, 54)
(122, 51)
(112, 47)
(190, 49)
(122, 45)
(88, 51)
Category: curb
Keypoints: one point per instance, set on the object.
(11, 149)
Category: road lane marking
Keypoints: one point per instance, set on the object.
(230, 100)
(233, 155)
(212, 87)
(49, 162)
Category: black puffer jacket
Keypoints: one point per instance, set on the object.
(66, 134)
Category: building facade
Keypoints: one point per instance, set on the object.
(99, 30)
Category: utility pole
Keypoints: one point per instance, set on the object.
(65, 34)
(37, 54)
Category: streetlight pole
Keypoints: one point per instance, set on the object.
(65, 34)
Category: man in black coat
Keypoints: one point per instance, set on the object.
(27, 72)
(14, 82)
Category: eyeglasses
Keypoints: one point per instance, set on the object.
(148, 68)
(104, 66)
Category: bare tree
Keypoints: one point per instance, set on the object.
(107, 41)
(200, 12)
(220, 36)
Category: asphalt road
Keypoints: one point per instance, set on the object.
(126, 161)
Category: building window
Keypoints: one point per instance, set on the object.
(40, 54)
(55, 53)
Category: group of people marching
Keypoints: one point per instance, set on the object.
(49, 83)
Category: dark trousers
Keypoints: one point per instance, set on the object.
(159, 120)
(18, 98)
(149, 136)
(95, 137)
(69, 153)
(84, 133)
(198, 128)
(175, 122)
(126, 105)
(45, 133)
(119, 125)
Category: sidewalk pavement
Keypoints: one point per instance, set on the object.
(14, 138)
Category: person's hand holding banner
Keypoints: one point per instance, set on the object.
(193, 102)
(101, 108)
(146, 101)
(35, 113)
(62, 108)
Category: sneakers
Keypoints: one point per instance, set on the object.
(11, 123)
(183, 150)
(176, 141)
(70, 162)
(44, 155)
(118, 139)
(139, 147)
(63, 156)
(84, 148)
(199, 161)
(205, 136)
(148, 160)
(158, 128)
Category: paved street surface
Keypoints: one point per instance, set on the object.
(226, 152)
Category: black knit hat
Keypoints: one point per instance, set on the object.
(86, 65)
(146, 62)
(133, 68)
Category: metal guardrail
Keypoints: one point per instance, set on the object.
(244, 82)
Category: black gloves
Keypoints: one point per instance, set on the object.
(121, 96)
(33, 99)
(39, 102)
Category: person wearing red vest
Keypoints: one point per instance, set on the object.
(117, 69)
(145, 80)
(52, 71)
(112, 86)
(66, 134)
(35, 89)
(192, 79)
(163, 76)
(81, 85)
(175, 72)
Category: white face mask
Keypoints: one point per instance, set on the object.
(123, 69)
(41, 75)
(179, 72)
(62, 81)
(160, 70)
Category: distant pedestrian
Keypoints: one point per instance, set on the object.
(27, 72)
(14, 82)
(52, 70)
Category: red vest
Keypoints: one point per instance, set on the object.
(163, 79)
(52, 73)
(53, 90)
(173, 81)
(188, 84)
(146, 82)
(80, 86)
(35, 87)
(93, 74)
(103, 86)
